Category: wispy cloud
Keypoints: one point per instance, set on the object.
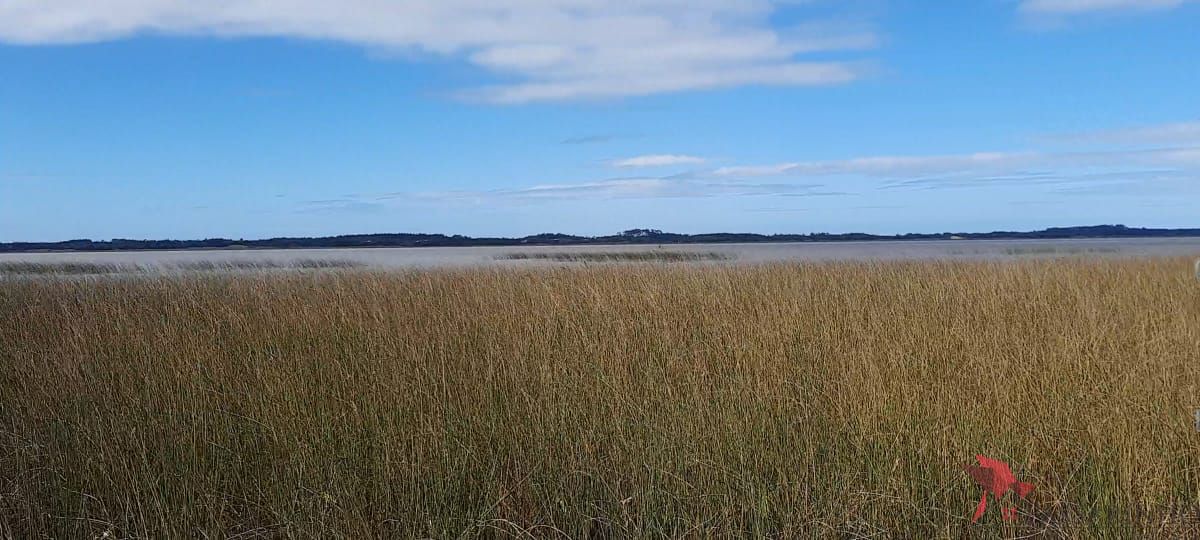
(624, 188)
(1179, 133)
(777, 210)
(1169, 171)
(884, 166)
(550, 49)
(1033, 202)
(987, 166)
(637, 187)
(1079, 7)
(1158, 183)
(350, 205)
(658, 160)
(1049, 175)
(588, 139)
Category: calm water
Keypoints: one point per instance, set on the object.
(730, 253)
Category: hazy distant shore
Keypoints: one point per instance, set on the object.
(630, 237)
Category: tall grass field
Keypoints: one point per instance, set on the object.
(612, 401)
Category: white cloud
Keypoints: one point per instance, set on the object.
(549, 49)
(658, 160)
(1079, 7)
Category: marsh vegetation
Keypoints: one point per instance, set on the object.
(82, 268)
(829, 400)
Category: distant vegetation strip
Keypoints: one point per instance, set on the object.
(632, 236)
(65, 268)
(73, 268)
(1057, 250)
(618, 256)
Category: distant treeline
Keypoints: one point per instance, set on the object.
(632, 236)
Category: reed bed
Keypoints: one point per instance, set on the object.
(73, 268)
(815, 400)
(78, 268)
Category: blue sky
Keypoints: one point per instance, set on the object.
(181, 119)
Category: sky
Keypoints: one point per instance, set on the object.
(264, 118)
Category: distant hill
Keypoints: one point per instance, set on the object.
(632, 236)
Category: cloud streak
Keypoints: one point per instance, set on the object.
(658, 160)
(549, 50)
(348, 205)
(588, 139)
(1172, 171)
(978, 165)
(1080, 7)
(1179, 133)
(624, 188)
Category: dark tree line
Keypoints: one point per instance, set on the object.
(632, 236)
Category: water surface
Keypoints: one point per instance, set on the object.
(519, 256)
